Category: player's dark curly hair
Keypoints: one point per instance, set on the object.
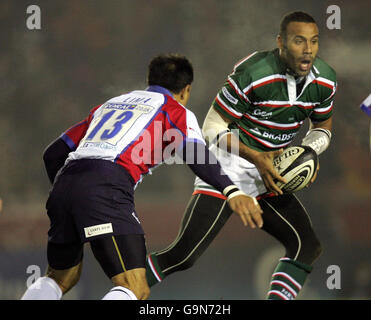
(171, 71)
(296, 16)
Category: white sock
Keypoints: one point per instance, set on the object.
(120, 293)
(44, 288)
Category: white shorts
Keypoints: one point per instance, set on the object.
(242, 172)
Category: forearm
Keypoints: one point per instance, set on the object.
(54, 157)
(327, 124)
(204, 164)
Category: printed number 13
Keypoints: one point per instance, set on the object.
(110, 133)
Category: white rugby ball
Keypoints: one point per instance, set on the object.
(297, 164)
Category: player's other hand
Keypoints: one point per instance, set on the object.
(248, 209)
(314, 176)
(264, 163)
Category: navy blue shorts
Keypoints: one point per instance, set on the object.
(91, 199)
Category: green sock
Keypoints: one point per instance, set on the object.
(153, 270)
(288, 279)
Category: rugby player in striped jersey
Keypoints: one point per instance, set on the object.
(261, 107)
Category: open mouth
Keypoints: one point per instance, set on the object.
(305, 64)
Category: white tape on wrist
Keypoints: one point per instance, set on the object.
(318, 139)
(230, 188)
(233, 191)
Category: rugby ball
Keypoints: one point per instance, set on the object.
(297, 164)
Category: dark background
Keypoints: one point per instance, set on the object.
(89, 51)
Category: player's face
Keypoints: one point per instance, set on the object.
(300, 46)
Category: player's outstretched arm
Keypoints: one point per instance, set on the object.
(205, 165)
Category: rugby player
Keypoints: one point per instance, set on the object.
(95, 167)
(266, 99)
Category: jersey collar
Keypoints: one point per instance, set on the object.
(159, 89)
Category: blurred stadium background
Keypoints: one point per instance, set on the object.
(88, 51)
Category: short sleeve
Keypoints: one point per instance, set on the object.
(323, 111)
(232, 100)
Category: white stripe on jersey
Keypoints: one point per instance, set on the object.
(286, 286)
(278, 293)
(305, 104)
(243, 60)
(265, 142)
(282, 103)
(288, 277)
(237, 114)
(329, 82)
(237, 89)
(275, 124)
(324, 110)
(265, 79)
(274, 102)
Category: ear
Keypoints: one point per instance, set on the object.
(188, 88)
(182, 93)
(279, 42)
(185, 91)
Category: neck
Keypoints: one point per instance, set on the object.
(159, 89)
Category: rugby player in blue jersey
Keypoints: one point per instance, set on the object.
(95, 167)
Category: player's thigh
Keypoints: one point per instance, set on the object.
(122, 258)
(287, 210)
(286, 219)
(203, 218)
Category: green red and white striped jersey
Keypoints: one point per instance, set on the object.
(261, 99)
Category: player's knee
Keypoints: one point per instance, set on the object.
(316, 250)
(140, 290)
(144, 291)
(66, 279)
(311, 250)
(134, 280)
(188, 263)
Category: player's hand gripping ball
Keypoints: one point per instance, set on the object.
(297, 164)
